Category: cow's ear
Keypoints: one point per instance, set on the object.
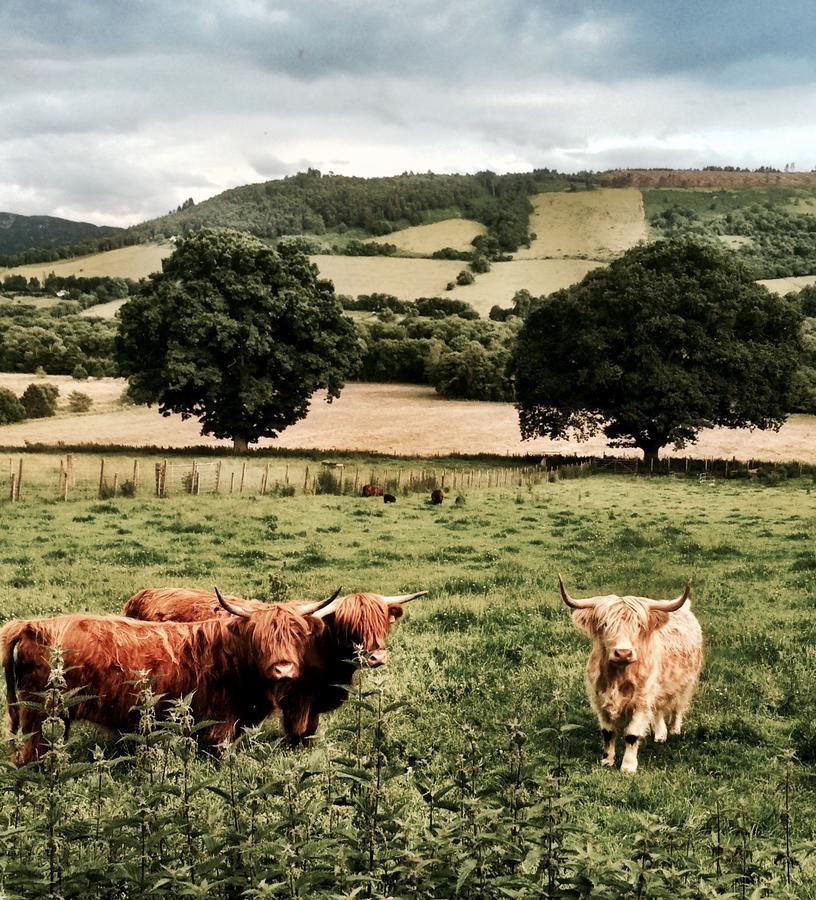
(316, 626)
(586, 620)
(395, 612)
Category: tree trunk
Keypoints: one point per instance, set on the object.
(239, 444)
(651, 452)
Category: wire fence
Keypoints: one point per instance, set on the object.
(85, 476)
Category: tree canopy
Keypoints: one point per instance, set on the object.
(237, 335)
(672, 337)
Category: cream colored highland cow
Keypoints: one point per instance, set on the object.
(643, 668)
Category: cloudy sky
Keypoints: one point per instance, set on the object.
(114, 111)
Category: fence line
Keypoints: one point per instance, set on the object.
(84, 477)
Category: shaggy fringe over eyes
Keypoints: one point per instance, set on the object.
(362, 619)
(283, 629)
(618, 614)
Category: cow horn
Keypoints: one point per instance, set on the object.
(571, 601)
(232, 607)
(404, 598)
(308, 609)
(672, 605)
(328, 606)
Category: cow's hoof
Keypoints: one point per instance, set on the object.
(629, 768)
(660, 738)
(607, 761)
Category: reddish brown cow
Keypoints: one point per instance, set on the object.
(236, 667)
(357, 626)
(372, 490)
(643, 668)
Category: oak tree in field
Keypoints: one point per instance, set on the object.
(237, 335)
(672, 337)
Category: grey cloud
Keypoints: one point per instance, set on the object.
(131, 107)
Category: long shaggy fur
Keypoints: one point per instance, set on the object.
(228, 664)
(655, 689)
(358, 627)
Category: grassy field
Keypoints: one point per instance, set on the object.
(404, 278)
(786, 285)
(425, 239)
(469, 766)
(389, 418)
(136, 262)
(538, 276)
(596, 224)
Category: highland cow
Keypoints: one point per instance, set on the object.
(643, 668)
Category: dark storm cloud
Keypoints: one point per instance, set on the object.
(131, 107)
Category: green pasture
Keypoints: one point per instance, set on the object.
(711, 202)
(484, 697)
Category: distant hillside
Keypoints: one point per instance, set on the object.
(23, 238)
(331, 206)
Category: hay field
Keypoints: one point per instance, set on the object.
(389, 418)
(538, 276)
(126, 262)
(105, 392)
(104, 310)
(788, 285)
(404, 278)
(425, 239)
(597, 224)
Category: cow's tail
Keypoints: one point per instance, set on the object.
(10, 636)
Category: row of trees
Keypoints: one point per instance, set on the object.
(85, 291)
(56, 340)
(671, 338)
(780, 242)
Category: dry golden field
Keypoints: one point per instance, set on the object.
(596, 224)
(126, 262)
(425, 239)
(404, 278)
(389, 418)
(786, 285)
(538, 276)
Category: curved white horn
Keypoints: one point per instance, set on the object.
(329, 606)
(404, 598)
(232, 607)
(672, 605)
(571, 601)
(310, 608)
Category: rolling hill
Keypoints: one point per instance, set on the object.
(19, 234)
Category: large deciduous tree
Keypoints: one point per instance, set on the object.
(237, 335)
(672, 337)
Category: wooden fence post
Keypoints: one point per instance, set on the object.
(306, 480)
(232, 482)
(101, 476)
(19, 480)
(265, 479)
(243, 476)
(115, 482)
(217, 475)
(163, 484)
(193, 476)
(13, 492)
(158, 479)
(135, 474)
